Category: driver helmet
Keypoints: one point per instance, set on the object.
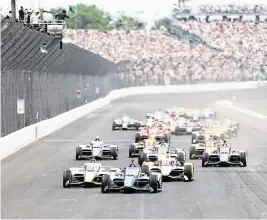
(97, 138)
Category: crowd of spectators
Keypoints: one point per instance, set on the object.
(151, 56)
(238, 52)
(182, 7)
(232, 9)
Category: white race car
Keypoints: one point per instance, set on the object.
(135, 148)
(88, 175)
(97, 150)
(125, 123)
(173, 170)
(225, 156)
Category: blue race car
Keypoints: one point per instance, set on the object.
(131, 179)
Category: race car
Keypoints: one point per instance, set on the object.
(153, 154)
(97, 150)
(147, 155)
(207, 134)
(135, 148)
(209, 113)
(233, 127)
(157, 115)
(225, 156)
(178, 154)
(187, 127)
(173, 170)
(176, 111)
(196, 150)
(88, 175)
(142, 134)
(125, 123)
(132, 180)
(162, 135)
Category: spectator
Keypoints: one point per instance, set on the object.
(47, 18)
(35, 18)
(28, 17)
(21, 14)
(61, 16)
(47, 15)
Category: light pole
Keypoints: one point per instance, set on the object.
(13, 8)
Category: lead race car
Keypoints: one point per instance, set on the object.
(131, 179)
(125, 123)
(97, 150)
(88, 175)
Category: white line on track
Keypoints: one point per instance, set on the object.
(81, 191)
(75, 200)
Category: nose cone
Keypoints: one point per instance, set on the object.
(89, 176)
(165, 170)
(96, 151)
(224, 158)
(128, 181)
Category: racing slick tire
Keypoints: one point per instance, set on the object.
(189, 172)
(114, 153)
(137, 138)
(181, 158)
(192, 152)
(131, 150)
(145, 169)
(141, 158)
(153, 182)
(243, 159)
(78, 153)
(67, 178)
(105, 183)
(194, 136)
(205, 159)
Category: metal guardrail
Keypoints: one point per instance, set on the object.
(54, 28)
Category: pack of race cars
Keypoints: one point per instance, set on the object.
(158, 159)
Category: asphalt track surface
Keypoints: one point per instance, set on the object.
(32, 178)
